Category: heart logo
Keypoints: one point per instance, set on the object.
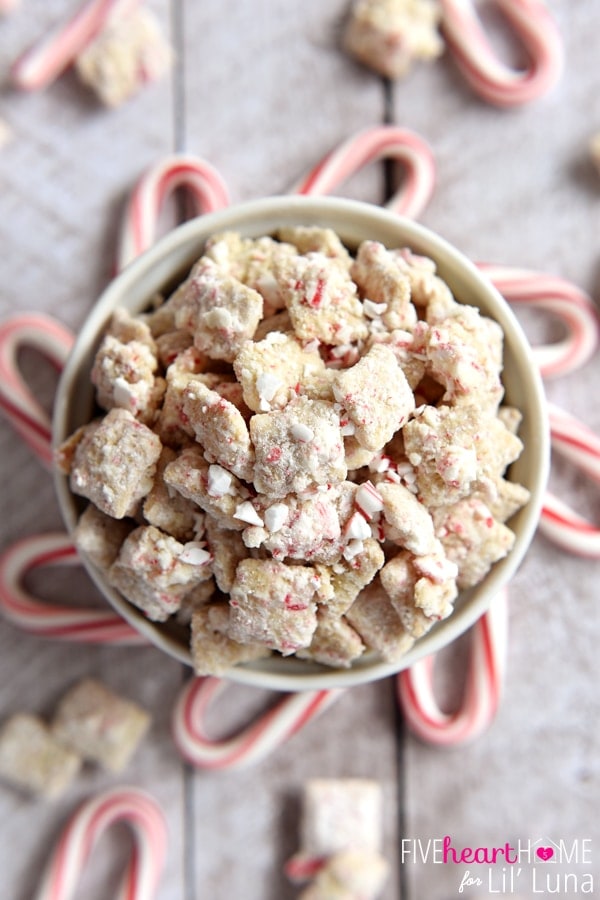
(545, 853)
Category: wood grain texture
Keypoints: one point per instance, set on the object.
(261, 90)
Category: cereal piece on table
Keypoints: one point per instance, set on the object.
(129, 52)
(594, 151)
(421, 594)
(373, 616)
(314, 239)
(219, 311)
(168, 510)
(340, 814)
(273, 604)
(123, 375)
(213, 652)
(297, 447)
(114, 462)
(383, 282)
(348, 875)
(100, 536)
(154, 571)
(321, 299)
(220, 427)
(271, 370)
(227, 549)
(350, 576)
(375, 395)
(100, 725)
(213, 488)
(390, 35)
(32, 759)
(464, 353)
(410, 522)
(472, 539)
(334, 643)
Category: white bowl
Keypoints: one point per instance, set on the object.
(167, 263)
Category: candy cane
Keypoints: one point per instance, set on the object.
(7, 6)
(23, 411)
(198, 178)
(124, 804)
(47, 58)
(92, 626)
(250, 745)
(489, 77)
(483, 686)
(573, 307)
(382, 142)
(558, 522)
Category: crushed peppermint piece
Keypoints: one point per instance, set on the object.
(302, 432)
(368, 499)
(219, 481)
(245, 512)
(275, 517)
(357, 528)
(352, 549)
(194, 554)
(267, 386)
(373, 310)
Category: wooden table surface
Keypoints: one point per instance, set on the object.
(262, 91)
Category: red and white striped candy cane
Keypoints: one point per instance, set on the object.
(483, 686)
(558, 522)
(489, 77)
(379, 142)
(201, 182)
(24, 412)
(47, 58)
(19, 606)
(250, 745)
(569, 304)
(144, 868)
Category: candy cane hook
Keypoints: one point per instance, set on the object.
(489, 77)
(250, 745)
(482, 691)
(365, 147)
(142, 874)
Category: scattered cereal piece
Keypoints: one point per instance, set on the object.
(348, 875)
(390, 35)
(32, 758)
(128, 52)
(594, 150)
(340, 814)
(99, 725)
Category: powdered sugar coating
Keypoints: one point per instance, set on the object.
(312, 459)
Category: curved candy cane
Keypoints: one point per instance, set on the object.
(201, 182)
(250, 745)
(124, 804)
(489, 77)
(558, 522)
(381, 142)
(92, 626)
(52, 340)
(482, 690)
(568, 303)
(46, 59)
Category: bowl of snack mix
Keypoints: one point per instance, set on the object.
(301, 443)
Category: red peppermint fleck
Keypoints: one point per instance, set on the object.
(273, 455)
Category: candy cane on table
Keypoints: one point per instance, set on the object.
(201, 182)
(19, 606)
(253, 743)
(568, 303)
(52, 340)
(379, 142)
(489, 77)
(48, 57)
(558, 522)
(144, 868)
(483, 688)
